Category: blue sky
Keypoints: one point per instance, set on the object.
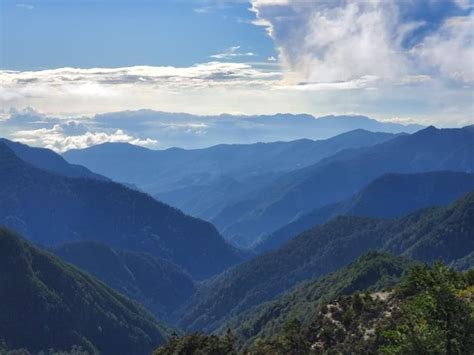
(52, 34)
(397, 60)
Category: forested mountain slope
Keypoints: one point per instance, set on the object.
(50, 210)
(48, 304)
(156, 283)
(389, 196)
(444, 233)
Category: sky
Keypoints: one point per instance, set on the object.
(64, 62)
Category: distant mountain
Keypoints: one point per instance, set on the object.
(158, 284)
(336, 178)
(389, 196)
(50, 210)
(444, 233)
(202, 182)
(48, 304)
(371, 272)
(193, 131)
(50, 161)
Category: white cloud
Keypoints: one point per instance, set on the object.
(451, 49)
(344, 40)
(74, 136)
(231, 53)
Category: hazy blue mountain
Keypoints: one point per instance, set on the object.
(158, 284)
(48, 160)
(202, 182)
(389, 196)
(338, 177)
(50, 209)
(443, 233)
(48, 304)
(193, 131)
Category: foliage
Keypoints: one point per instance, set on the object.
(405, 193)
(51, 209)
(156, 283)
(431, 311)
(199, 344)
(443, 233)
(372, 271)
(46, 303)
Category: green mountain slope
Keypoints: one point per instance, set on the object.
(389, 196)
(158, 284)
(46, 303)
(50, 210)
(439, 233)
(372, 272)
(430, 311)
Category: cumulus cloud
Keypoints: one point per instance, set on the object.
(61, 135)
(343, 40)
(56, 139)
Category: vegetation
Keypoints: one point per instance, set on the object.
(431, 311)
(371, 272)
(428, 235)
(46, 303)
(51, 209)
(405, 193)
(158, 284)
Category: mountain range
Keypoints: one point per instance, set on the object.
(443, 233)
(202, 182)
(51, 209)
(194, 131)
(337, 224)
(343, 174)
(389, 196)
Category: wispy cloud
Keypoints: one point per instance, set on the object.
(25, 6)
(232, 53)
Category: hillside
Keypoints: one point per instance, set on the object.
(46, 303)
(158, 284)
(430, 311)
(50, 210)
(338, 177)
(371, 272)
(202, 182)
(444, 233)
(50, 161)
(389, 196)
